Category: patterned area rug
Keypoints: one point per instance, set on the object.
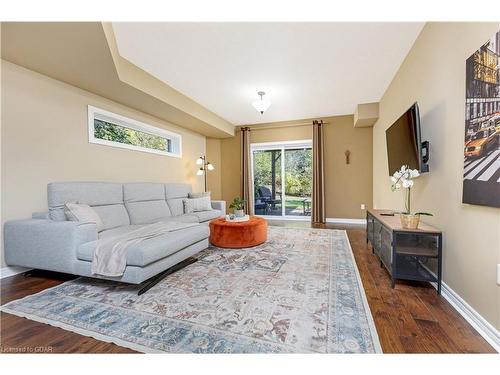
(300, 292)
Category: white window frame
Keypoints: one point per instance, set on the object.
(282, 146)
(113, 118)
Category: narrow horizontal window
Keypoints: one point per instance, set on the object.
(116, 133)
(110, 129)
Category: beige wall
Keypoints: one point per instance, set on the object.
(434, 75)
(230, 166)
(214, 177)
(45, 138)
(346, 186)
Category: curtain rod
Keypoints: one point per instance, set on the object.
(274, 126)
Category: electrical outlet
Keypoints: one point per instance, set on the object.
(498, 274)
(362, 206)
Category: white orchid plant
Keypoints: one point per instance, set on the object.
(404, 179)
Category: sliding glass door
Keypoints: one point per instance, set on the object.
(282, 179)
(267, 181)
(298, 181)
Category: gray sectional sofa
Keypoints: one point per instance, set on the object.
(49, 242)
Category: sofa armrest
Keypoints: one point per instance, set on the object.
(45, 244)
(219, 205)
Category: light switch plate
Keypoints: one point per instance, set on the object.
(363, 206)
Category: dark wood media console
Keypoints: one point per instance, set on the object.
(408, 254)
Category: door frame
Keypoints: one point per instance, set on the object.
(282, 146)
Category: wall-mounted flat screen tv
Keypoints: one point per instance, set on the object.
(404, 145)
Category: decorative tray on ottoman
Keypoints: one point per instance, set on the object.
(234, 219)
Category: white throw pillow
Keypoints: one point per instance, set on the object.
(197, 204)
(82, 213)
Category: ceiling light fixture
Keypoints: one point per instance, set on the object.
(261, 105)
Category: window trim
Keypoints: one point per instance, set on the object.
(116, 119)
(278, 145)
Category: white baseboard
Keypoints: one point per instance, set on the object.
(331, 220)
(11, 271)
(308, 218)
(481, 325)
(285, 218)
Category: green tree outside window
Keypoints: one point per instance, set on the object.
(116, 133)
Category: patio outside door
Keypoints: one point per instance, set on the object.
(282, 179)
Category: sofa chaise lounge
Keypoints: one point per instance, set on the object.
(50, 242)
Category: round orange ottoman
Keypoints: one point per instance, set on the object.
(236, 235)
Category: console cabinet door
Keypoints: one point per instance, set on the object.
(369, 227)
(377, 239)
(386, 248)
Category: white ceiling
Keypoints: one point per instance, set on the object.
(306, 69)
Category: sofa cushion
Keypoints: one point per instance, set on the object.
(177, 191)
(118, 231)
(91, 193)
(176, 206)
(138, 192)
(146, 252)
(145, 202)
(147, 212)
(207, 215)
(188, 218)
(112, 216)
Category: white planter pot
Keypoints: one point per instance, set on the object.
(239, 213)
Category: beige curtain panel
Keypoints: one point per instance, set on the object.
(318, 191)
(246, 173)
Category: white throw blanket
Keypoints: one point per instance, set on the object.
(110, 255)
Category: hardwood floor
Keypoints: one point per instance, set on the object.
(411, 318)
